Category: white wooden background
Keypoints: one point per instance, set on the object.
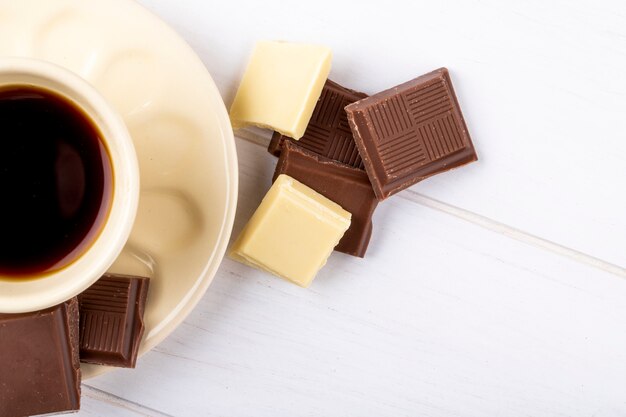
(494, 290)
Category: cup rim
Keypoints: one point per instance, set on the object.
(24, 295)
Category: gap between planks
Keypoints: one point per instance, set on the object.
(257, 137)
(99, 395)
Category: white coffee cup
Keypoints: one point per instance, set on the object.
(40, 292)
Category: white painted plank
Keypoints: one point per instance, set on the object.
(442, 318)
(541, 85)
(487, 325)
(95, 408)
(98, 404)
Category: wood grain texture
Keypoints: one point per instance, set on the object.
(95, 408)
(98, 403)
(495, 290)
(541, 86)
(455, 318)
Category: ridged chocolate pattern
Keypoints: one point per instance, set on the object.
(108, 295)
(428, 103)
(415, 128)
(103, 315)
(411, 132)
(328, 133)
(110, 319)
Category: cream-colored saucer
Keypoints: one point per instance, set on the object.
(181, 132)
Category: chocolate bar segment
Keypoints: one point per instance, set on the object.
(410, 132)
(111, 320)
(292, 232)
(39, 366)
(347, 186)
(280, 87)
(328, 133)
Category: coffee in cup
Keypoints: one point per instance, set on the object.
(69, 185)
(55, 181)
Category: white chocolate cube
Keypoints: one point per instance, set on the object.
(292, 233)
(281, 86)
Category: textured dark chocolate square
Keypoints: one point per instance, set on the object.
(410, 132)
(39, 367)
(347, 186)
(111, 320)
(328, 133)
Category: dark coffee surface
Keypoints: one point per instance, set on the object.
(111, 320)
(345, 185)
(55, 181)
(39, 366)
(410, 132)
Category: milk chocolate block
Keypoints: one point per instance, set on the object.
(347, 186)
(328, 133)
(39, 366)
(410, 132)
(111, 320)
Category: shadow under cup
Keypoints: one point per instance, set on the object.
(56, 181)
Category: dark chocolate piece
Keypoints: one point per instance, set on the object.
(328, 133)
(39, 366)
(111, 320)
(410, 132)
(347, 186)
